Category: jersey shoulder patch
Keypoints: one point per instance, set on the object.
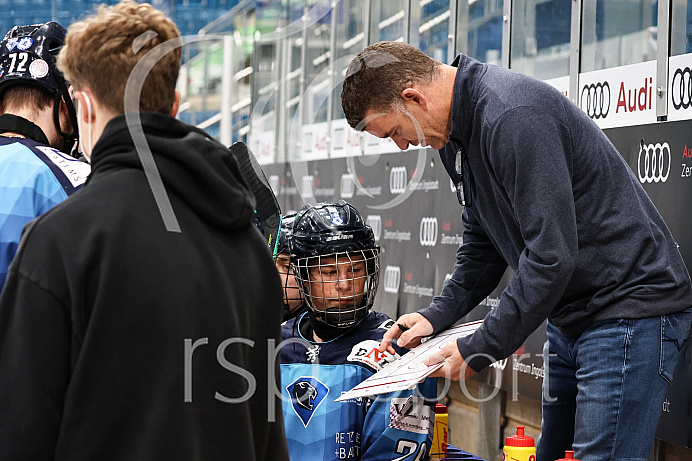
(367, 352)
(410, 414)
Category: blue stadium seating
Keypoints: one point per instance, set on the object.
(189, 15)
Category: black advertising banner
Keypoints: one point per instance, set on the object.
(660, 156)
(408, 200)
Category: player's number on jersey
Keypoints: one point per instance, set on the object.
(21, 65)
(406, 447)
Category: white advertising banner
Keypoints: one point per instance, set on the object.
(560, 83)
(375, 145)
(261, 144)
(680, 87)
(619, 96)
(313, 144)
(345, 141)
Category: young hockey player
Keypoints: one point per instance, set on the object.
(336, 263)
(37, 121)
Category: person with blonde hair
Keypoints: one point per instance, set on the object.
(141, 339)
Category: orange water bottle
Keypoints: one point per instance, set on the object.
(519, 447)
(569, 455)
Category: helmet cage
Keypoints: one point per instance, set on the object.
(339, 288)
(293, 297)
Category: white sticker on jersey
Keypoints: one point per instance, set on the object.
(367, 352)
(74, 170)
(410, 414)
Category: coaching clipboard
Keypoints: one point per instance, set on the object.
(410, 368)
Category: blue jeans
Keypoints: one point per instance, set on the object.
(604, 390)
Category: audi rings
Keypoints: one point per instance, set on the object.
(347, 186)
(392, 279)
(595, 100)
(654, 164)
(398, 180)
(375, 223)
(681, 88)
(428, 232)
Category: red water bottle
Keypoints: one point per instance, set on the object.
(519, 447)
(569, 454)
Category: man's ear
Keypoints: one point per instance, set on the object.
(88, 109)
(414, 95)
(176, 104)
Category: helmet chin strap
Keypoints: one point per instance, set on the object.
(69, 140)
(324, 331)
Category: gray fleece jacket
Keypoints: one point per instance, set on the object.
(552, 198)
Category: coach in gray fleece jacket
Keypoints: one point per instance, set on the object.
(546, 193)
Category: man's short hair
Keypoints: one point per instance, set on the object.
(101, 51)
(28, 97)
(377, 76)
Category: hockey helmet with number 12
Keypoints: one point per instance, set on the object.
(28, 56)
(336, 262)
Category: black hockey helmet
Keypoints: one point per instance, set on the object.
(286, 234)
(28, 56)
(333, 237)
(294, 304)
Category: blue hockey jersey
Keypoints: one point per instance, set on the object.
(395, 426)
(33, 179)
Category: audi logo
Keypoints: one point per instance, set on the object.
(375, 223)
(348, 185)
(398, 180)
(428, 232)
(392, 279)
(595, 100)
(307, 141)
(681, 88)
(338, 136)
(308, 189)
(274, 183)
(654, 165)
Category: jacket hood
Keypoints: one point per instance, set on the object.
(192, 165)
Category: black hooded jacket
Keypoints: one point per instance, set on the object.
(121, 340)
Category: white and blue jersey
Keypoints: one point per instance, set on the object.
(395, 426)
(33, 179)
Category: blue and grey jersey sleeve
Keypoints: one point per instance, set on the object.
(400, 425)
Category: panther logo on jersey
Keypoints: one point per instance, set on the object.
(304, 394)
(307, 393)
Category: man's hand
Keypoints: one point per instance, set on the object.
(455, 367)
(410, 328)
